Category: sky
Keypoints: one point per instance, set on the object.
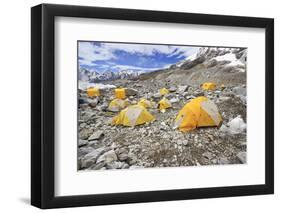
(105, 56)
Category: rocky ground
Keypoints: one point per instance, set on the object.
(102, 146)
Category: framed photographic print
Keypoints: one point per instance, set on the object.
(139, 106)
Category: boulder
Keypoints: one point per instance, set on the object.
(181, 89)
(115, 165)
(239, 91)
(174, 100)
(123, 156)
(90, 158)
(84, 150)
(235, 126)
(93, 102)
(87, 116)
(131, 92)
(107, 157)
(132, 159)
(98, 166)
(85, 133)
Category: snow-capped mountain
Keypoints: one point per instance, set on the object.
(94, 76)
(212, 56)
(208, 63)
(221, 65)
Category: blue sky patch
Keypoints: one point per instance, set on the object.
(105, 56)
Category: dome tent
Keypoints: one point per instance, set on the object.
(164, 91)
(93, 92)
(120, 93)
(117, 104)
(163, 104)
(145, 103)
(133, 115)
(208, 86)
(199, 112)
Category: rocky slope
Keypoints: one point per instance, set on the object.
(221, 65)
(102, 146)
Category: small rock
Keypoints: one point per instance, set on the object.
(82, 143)
(197, 94)
(240, 91)
(242, 157)
(121, 150)
(84, 150)
(223, 161)
(131, 92)
(243, 146)
(189, 97)
(185, 142)
(102, 107)
(135, 167)
(132, 159)
(98, 166)
(87, 116)
(93, 102)
(182, 89)
(172, 89)
(93, 143)
(93, 155)
(207, 155)
(179, 142)
(224, 98)
(96, 135)
(82, 125)
(125, 166)
(85, 133)
(123, 156)
(157, 96)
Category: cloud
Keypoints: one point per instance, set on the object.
(88, 52)
(129, 67)
(116, 56)
(184, 51)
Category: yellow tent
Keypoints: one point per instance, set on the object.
(164, 91)
(120, 93)
(199, 112)
(208, 86)
(133, 115)
(164, 104)
(145, 103)
(93, 91)
(117, 104)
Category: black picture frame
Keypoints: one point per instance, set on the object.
(43, 102)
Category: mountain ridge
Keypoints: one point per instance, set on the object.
(209, 63)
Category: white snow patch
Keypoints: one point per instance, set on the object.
(233, 60)
(192, 57)
(226, 57)
(236, 63)
(83, 85)
(189, 58)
